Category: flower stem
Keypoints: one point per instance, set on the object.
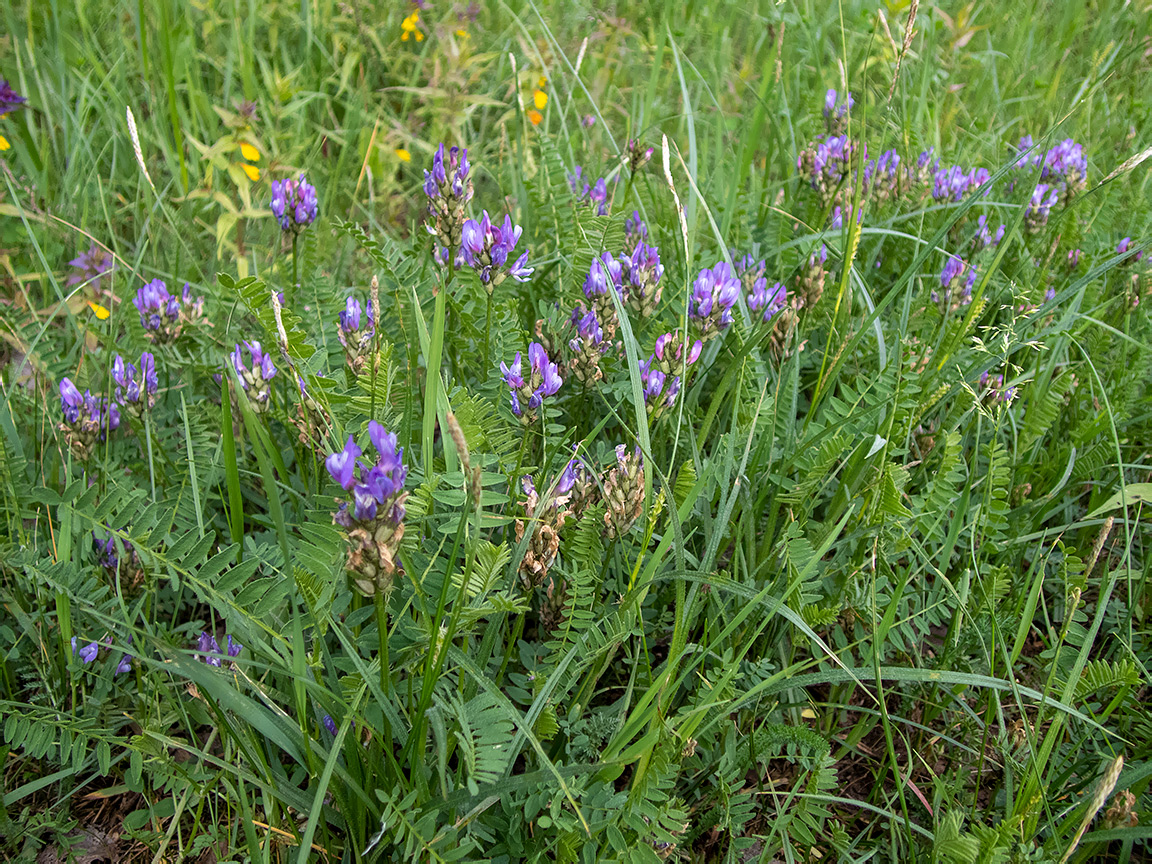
(488, 335)
(295, 270)
(382, 634)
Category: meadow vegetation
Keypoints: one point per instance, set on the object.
(517, 431)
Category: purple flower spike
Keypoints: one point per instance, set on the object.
(342, 464)
(330, 724)
(234, 647)
(125, 664)
(294, 203)
(714, 293)
(9, 99)
(159, 311)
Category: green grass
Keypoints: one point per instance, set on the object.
(867, 612)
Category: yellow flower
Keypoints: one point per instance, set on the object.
(249, 152)
(403, 154)
(462, 33)
(410, 26)
(535, 116)
(540, 99)
(99, 310)
(252, 171)
(4, 145)
(542, 83)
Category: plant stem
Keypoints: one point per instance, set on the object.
(295, 270)
(382, 635)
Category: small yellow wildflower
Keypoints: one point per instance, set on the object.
(535, 116)
(540, 99)
(462, 33)
(542, 83)
(4, 145)
(249, 152)
(403, 155)
(252, 171)
(410, 26)
(99, 310)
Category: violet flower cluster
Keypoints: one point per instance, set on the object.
(714, 293)
(640, 277)
(952, 184)
(87, 418)
(768, 301)
(88, 653)
(985, 238)
(587, 346)
(10, 100)
(595, 195)
(1064, 166)
(527, 394)
(605, 274)
(91, 267)
(1040, 205)
(660, 373)
(951, 295)
(357, 342)
(810, 280)
(159, 311)
(486, 248)
(254, 378)
(208, 649)
(1124, 247)
(836, 111)
(449, 189)
(294, 203)
(375, 519)
(828, 165)
(883, 180)
(637, 155)
(136, 386)
(635, 231)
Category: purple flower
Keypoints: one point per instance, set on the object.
(449, 190)
(254, 379)
(90, 267)
(70, 400)
(486, 248)
(342, 464)
(1122, 249)
(330, 724)
(350, 317)
(596, 194)
(512, 376)
(125, 664)
(771, 301)
(209, 649)
(234, 648)
(9, 99)
(159, 310)
(635, 230)
(588, 121)
(603, 271)
(1074, 259)
(714, 293)
(1050, 295)
(985, 238)
(543, 380)
(88, 653)
(836, 110)
(294, 203)
(1043, 199)
(953, 268)
(136, 388)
